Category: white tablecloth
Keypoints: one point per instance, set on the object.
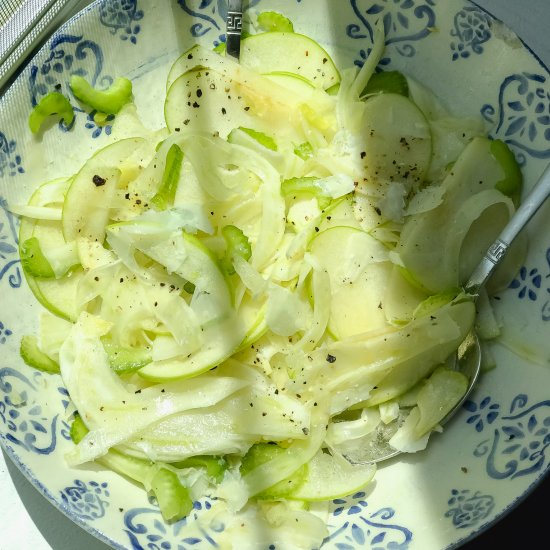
(28, 521)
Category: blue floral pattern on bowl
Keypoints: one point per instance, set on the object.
(471, 29)
(365, 528)
(521, 117)
(86, 500)
(517, 443)
(533, 284)
(414, 21)
(468, 509)
(11, 162)
(122, 18)
(27, 424)
(145, 529)
(9, 252)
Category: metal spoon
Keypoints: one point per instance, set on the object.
(468, 360)
(234, 28)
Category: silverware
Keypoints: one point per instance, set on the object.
(468, 359)
(234, 28)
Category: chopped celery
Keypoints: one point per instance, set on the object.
(108, 101)
(78, 429)
(392, 82)
(263, 139)
(164, 197)
(215, 466)
(512, 183)
(261, 453)
(273, 21)
(33, 260)
(307, 185)
(172, 497)
(52, 104)
(126, 360)
(237, 244)
(35, 357)
(304, 150)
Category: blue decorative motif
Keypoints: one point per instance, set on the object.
(5, 333)
(365, 529)
(147, 530)
(404, 22)
(471, 30)
(86, 500)
(121, 17)
(69, 55)
(98, 128)
(10, 159)
(483, 414)
(519, 441)
(533, 285)
(9, 253)
(522, 118)
(468, 509)
(33, 430)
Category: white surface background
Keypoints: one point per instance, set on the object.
(28, 521)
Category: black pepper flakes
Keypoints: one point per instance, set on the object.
(98, 181)
(331, 358)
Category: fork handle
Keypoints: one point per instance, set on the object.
(529, 206)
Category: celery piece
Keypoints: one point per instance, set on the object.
(271, 21)
(166, 194)
(52, 104)
(35, 357)
(308, 185)
(263, 139)
(392, 82)
(237, 244)
(33, 260)
(108, 101)
(78, 429)
(512, 184)
(264, 452)
(304, 150)
(126, 360)
(172, 497)
(215, 466)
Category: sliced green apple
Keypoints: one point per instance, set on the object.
(289, 52)
(397, 142)
(358, 269)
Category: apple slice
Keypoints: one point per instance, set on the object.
(292, 53)
(358, 269)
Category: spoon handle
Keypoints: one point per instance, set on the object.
(234, 28)
(498, 249)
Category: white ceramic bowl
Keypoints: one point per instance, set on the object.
(494, 451)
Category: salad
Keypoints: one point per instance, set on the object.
(258, 300)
